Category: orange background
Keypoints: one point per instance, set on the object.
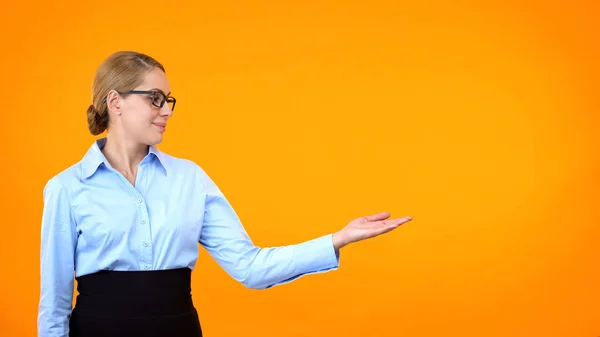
(479, 121)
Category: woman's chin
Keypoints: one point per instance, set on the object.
(154, 140)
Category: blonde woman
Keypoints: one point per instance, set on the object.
(126, 220)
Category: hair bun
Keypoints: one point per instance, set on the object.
(96, 123)
(92, 110)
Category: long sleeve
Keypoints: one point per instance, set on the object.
(226, 240)
(57, 256)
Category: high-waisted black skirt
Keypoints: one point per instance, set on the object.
(138, 303)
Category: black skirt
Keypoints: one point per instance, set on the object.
(138, 303)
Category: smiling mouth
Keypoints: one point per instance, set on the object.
(161, 127)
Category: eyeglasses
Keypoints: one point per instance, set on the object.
(157, 97)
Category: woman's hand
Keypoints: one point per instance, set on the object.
(366, 227)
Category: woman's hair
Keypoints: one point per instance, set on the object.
(121, 71)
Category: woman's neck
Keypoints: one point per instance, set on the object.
(124, 155)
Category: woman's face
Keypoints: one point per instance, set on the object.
(141, 118)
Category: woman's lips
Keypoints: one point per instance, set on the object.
(161, 126)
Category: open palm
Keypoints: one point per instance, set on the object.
(367, 227)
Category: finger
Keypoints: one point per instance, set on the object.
(377, 217)
(385, 223)
(395, 222)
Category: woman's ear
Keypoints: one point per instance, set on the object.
(113, 102)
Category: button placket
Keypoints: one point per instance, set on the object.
(146, 251)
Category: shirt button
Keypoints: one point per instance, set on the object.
(147, 267)
(145, 244)
(143, 222)
(139, 200)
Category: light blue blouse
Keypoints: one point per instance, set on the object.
(94, 219)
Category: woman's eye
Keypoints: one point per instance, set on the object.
(157, 97)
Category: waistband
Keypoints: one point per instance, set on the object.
(135, 293)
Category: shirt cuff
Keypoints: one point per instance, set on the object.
(317, 255)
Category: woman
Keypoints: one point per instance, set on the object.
(126, 220)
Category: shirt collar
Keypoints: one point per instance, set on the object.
(94, 158)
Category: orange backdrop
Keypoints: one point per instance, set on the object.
(479, 121)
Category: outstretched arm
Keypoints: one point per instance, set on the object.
(226, 240)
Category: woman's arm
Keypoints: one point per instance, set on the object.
(57, 262)
(226, 240)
